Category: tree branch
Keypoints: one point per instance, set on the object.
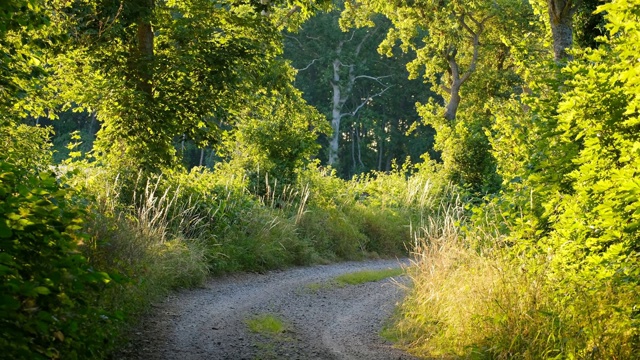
(365, 101)
(465, 25)
(286, 17)
(309, 65)
(474, 59)
(450, 55)
(296, 39)
(359, 47)
(376, 79)
(353, 34)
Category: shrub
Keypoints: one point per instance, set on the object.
(26, 147)
(387, 230)
(332, 233)
(47, 288)
(260, 240)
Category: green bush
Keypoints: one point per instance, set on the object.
(26, 147)
(386, 230)
(261, 240)
(47, 288)
(332, 234)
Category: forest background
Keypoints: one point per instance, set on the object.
(148, 144)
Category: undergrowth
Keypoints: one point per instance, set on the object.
(474, 297)
(151, 234)
(136, 237)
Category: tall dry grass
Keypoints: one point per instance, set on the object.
(475, 297)
(154, 245)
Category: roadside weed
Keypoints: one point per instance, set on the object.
(361, 277)
(266, 324)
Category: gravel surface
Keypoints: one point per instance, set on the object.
(323, 321)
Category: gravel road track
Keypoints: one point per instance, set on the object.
(323, 321)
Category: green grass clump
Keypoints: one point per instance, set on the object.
(361, 277)
(266, 324)
(354, 278)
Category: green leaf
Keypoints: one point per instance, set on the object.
(42, 290)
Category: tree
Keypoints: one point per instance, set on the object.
(348, 63)
(29, 32)
(456, 43)
(157, 71)
(447, 36)
(276, 134)
(361, 92)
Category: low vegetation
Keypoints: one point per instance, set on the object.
(362, 277)
(355, 278)
(266, 324)
(547, 267)
(471, 298)
(126, 242)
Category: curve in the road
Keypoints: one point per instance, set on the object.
(330, 323)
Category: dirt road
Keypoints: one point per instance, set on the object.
(322, 320)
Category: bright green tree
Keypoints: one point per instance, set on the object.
(569, 151)
(276, 132)
(463, 48)
(154, 72)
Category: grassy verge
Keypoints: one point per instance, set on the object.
(475, 299)
(366, 276)
(174, 231)
(355, 278)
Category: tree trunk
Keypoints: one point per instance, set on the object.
(380, 153)
(144, 35)
(336, 115)
(92, 125)
(341, 92)
(457, 79)
(358, 147)
(353, 148)
(454, 101)
(561, 20)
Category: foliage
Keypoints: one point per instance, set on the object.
(151, 72)
(596, 224)
(47, 306)
(28, 29)
(378, 123)
(474, 297)
(277, 133)
(213, 79)
(548, 268)
(368, 215)
(26, 147)
(544, 267)
(464, 50)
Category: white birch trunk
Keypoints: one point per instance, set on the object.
(336, 114)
